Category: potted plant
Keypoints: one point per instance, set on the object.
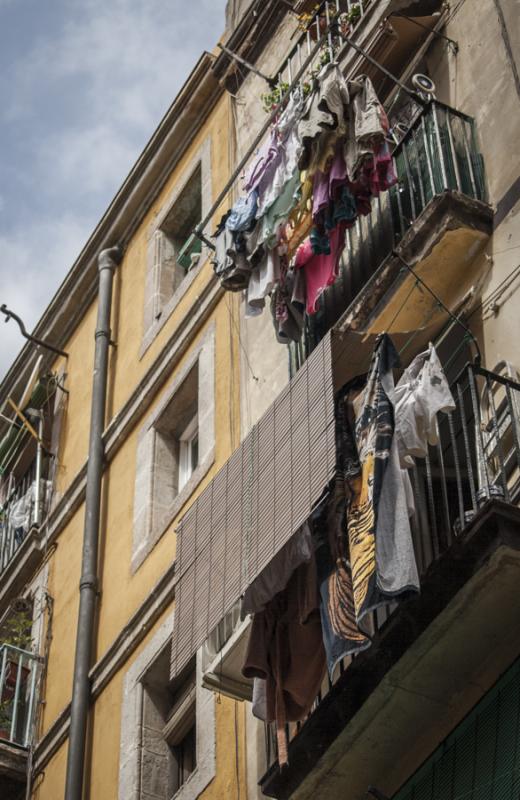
(315, 21)
(271, 100)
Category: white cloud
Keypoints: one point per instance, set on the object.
(81, 102)
(85, 161)
(33, 263)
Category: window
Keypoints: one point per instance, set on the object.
(175, 448)
(180, 249)
(180, 731)
(174, 253)
(176, 442)
(167, 745)
(188, 452)
(169, 728)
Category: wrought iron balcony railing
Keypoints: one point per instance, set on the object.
(320, 22)
(23, 508)
(477, 459)
(19, 671)
(437, 153)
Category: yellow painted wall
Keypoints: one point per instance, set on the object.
(117, 606)
(122, 592)
(127, 368)
(103, 766)
(63, 586)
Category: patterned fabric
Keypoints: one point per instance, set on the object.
(341, 634)
(348, 583)
(366, 439)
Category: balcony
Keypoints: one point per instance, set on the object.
(437, 219)
(24, 508)
(367, 726)
(19, 673)
(26, 468)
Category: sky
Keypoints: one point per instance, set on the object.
(83, 85)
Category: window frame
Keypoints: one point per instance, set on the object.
(187, 462)
(158, 302)
(133, 696)
(155, 507)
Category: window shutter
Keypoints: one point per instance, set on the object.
(259, 498)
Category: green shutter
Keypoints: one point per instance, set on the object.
(480, 759)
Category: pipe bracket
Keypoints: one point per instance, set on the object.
(89, 581)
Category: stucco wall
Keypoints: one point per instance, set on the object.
(122, 592)
(479, 81)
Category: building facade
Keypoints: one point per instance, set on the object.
(217, 441)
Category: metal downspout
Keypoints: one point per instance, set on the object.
(88, 587)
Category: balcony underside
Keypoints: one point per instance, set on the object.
(433, 660)
(13, 765)
(442, 246)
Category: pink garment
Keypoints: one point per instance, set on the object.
(320, 193)
(376, 174)
(320, 271)
(338, 171)
(383, 175)
(326, 184)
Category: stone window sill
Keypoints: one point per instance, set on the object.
(153, 330)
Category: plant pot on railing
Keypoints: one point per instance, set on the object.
(12, 670)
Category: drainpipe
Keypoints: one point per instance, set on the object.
(88, 587)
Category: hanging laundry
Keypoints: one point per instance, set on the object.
(290, 147)
(365, 433)
(320, 270)
(420, 395)
(242, 216)
(325, 107)
(262, 281)
(275, 577)
(236, 255)
(342, 635)
(263, 167)
(364, 547)
(326, 158)
(288, 305)
(370, 120)
(278, 213)
(285, 650)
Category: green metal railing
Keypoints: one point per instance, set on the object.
(19, 672)
(437, 153)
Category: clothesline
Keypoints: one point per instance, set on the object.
(457, 320)
(348, 42)
(326, 158)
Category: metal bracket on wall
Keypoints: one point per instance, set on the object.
(246, 64)
(11, 315)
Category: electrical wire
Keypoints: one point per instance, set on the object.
(440, 302)
(396, 315)
(255, 378)
(488, 301)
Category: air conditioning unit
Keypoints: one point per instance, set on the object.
(223, 656)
